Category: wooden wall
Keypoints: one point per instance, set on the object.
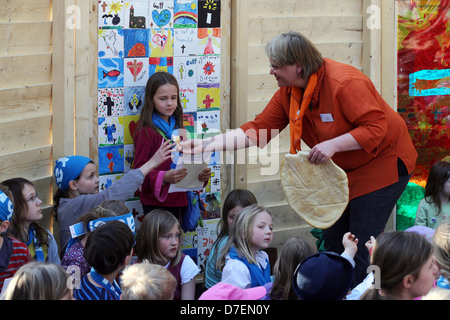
(339, 30)
(26, 93)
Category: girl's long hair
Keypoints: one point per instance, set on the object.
(17, 228)
(241, 233)
(157, 80)
(155, 224)
(397, 254)
(293, 252)
(439, 174)
(236, 198)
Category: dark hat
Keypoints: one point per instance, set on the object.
(323, 276)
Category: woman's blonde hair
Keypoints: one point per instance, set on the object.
(293, 47)
(147, 281)
(155, 224)
(38, 281)
(241, 233)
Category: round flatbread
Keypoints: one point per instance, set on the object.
(318, 193)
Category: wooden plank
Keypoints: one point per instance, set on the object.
(83, 101)
(371, 55)
(25, 10)
(320, 29)
(287, 8)
(239, 75)
(23, 134)
(389, 53)
(63, 82)
(17, 102)
(31, 163)
(25, 38)
(25, 70)
(346, 52)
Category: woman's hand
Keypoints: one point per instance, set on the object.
(194, 146)
(321, 152)
(205, 175)
(174, 176)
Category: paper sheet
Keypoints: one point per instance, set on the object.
(194, 165)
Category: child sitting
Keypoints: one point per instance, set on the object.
(108, 250)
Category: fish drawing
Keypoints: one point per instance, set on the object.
(112, 73)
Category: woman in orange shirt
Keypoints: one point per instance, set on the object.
(336, 110)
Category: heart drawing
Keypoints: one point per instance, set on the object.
(161, 18)
(160, 40)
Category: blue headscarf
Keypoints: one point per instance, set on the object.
(68, 169)
(6, 207)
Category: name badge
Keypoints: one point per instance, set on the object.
(326, 117)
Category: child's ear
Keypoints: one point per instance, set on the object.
(73, 185)
(4, 226)
(408, 281)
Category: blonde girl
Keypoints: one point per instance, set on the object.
(39, 281)
(159, 241)
(441, 245)
(236, 200)
(243, 261)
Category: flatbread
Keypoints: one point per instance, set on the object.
(318, 193)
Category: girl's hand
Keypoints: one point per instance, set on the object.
(174, 176)
(205, 175)
(371, 243)
(350, 243)
(162, 154)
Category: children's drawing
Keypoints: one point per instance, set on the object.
(133, 100)
(209, 41)
(185, 42)
(110, 43)
(214, 183)
(110, 73)
(212, 205)
(161, 42)
(161, 14)
(136, 42)
(206, 236)
(208, 123)
(110, 102)
(185, 70)
(208, 13)
(107, 180)
(110, 131)
(208, 96)
(189, 124)
(161, 64)
(136, 72)
(110, 14)
(188, 97)
(185, 14)
(135, 207)
(209, 69)
(130, 124)
(110, 159)
(129, 152)
(136, 14)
